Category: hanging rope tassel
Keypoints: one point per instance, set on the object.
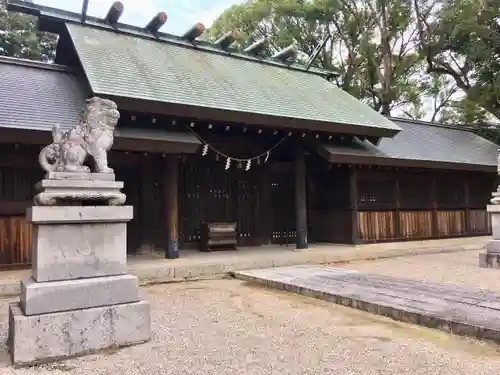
(205, 150)
(239, 162)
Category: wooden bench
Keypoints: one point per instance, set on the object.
(218, 236)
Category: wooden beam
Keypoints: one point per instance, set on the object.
(300, 200)
(85, 7)
(221, 115)
(171, 186)
(157, 22)
(114, 13)
(194, 32)
(289, 52)
(258, 47)
(226, 40)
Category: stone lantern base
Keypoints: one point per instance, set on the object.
(491, 258)
(80, 297)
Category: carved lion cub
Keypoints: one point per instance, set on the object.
(92, 136)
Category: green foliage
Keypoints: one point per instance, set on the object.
(463, 43)
(371, 45)
(19, 37)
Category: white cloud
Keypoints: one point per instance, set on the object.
(182, 13)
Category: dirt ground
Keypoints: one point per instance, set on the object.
(453, 268)
(230, 327)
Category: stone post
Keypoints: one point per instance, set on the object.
(80, 297)
(491, 258)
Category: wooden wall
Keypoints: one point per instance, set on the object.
(412, 205)
(345, 204)
(330, 212)
(17, 183)
(19, 172)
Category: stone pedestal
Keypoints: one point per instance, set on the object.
(491, 258)
(79, 298)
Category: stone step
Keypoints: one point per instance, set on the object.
(55, 296)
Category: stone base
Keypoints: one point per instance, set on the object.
(79, 187)
(50, 337)
(77, 242)
(489, 260)
(493, 246)
(55, 296)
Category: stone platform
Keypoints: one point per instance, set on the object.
(491, 257)
(49, 337)
(446, 307)
(79, 298)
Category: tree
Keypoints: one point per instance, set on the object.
(19, 37)
(461, 40)
(371, 46)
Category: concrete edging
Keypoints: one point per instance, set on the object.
(461, 328)
(192, 269)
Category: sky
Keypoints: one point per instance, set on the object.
(182, 14)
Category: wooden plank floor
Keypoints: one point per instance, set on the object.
(451, 308)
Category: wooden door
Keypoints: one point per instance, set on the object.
(245, 199)
(283, 208)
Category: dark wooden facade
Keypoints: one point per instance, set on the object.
(345, 203)
(404, 204)
(299, 196)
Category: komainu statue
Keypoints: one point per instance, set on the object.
(92, 136)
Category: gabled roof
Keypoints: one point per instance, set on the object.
(420, 144)
(36, 96)
(183, 78)
(48, 94)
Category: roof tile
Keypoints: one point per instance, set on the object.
(124, 65)
(420, 141)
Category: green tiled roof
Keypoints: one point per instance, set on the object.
(124, 65)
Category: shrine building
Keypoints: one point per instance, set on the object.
(212, 134)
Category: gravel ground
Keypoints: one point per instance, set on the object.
(229, 327)
(453, 268)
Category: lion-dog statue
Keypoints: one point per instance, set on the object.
(93, 136)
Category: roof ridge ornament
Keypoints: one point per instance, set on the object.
(85, 7)
(114, 13)
(286, 53)
(194, 32)
(226, 39)
(156, 23)
(51, 19)
(257, 47)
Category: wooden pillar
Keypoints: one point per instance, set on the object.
(353, 200)
(146, 220)
(300, 200)
(172, 206)
(467, 204)
(263, 212)
(435, 224)
(397, 218)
